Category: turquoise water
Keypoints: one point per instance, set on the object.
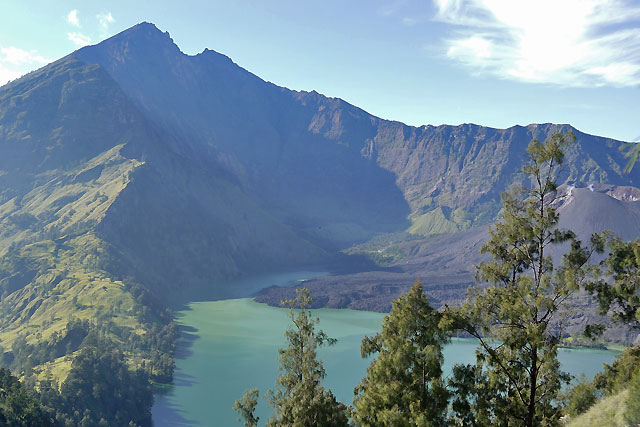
(230, 346)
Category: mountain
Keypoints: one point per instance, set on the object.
(601, 207)
(134, 178)
(319, 161)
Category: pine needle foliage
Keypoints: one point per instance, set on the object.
(299, 400)
(404, 385)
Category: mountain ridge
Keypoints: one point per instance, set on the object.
(393, 146)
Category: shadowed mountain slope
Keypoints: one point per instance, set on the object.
(94, 201)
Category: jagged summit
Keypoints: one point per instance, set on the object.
(141, 39)
(144, 30)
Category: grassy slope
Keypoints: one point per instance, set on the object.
(438, 222)
(606, 412)
(62, 131)
(67, 201)
(66, 285)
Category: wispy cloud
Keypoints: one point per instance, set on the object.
(76, 37)
(568, 42)
(72, 18)
(16, 56)
(14, 62)
(79, 39)
(7, 74)
(410, 21)
(105, 19)
(391, 7)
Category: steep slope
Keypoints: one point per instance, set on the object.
(65, 171)
(51, 154)
(593, 209)
(63, 130)
(467, 166)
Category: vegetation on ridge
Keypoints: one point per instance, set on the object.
(81, 324)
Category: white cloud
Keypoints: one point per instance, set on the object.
(72, 18)
(79, 39)
(16, 56)
(105, 19)
(568, 42)
(7, 74)
(409, 21)
(476, 46)
(14, 62)
(391, 7)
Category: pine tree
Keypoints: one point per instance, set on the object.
(17, 406)
(404, 385)
(517, 374)
(300, 399)
(619, 296)
(623, 294)
(246, 407)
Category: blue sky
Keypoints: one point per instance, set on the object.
(491, 62)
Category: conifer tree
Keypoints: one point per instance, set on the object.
(246, 407)
(404, 385)
(517, 375)
(618, 294)
(622, 294)
(300, 399)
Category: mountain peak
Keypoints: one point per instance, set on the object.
(145, 29)
(142, 37)
(147, 25)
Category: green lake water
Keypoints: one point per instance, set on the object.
(229, 346)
